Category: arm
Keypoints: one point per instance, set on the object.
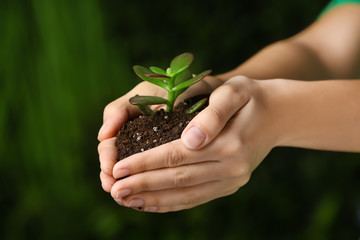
(328, 49)
(262, 115)
(322, 115)
(239, 132)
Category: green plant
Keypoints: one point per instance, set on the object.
(175, 80)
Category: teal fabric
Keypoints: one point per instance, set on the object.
(336, 3)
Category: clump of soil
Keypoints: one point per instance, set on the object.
(146, 132)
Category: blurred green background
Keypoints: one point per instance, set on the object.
(62, 61)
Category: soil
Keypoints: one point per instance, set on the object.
(146, 132)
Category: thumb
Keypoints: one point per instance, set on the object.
(224, 102)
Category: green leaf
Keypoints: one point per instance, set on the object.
(157, 70)
(144, 109)
(169, 71)
(147, 100)
(181, 62)
(196, 106)
(182, 77)
(192, 81)
(157, 76)
(142, 71)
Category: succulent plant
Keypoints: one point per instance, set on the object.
(175, 80)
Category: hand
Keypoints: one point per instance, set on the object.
(119, 111)
(235, 132)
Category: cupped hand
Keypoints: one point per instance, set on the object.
(119, 111)
(216, 155)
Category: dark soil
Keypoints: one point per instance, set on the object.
(146, 132)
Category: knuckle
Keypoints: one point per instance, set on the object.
(216, 116)
(234, 186)
(232, 148)
(181, 179)
(239, 92)
(232, 191)
(241, 170)
(227, 89)
(152, 200)
(109, 108)
(192, 198)
(175, 157)
(242, 180)
(107, 167)
(143, 184)
(141, 165)
(100, 146)
(246, 178)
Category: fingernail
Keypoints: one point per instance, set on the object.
(122, 193)
(194, 137)
(136, 203)
(103, 127)
(121, 173)
(106, 185)
(151, 209)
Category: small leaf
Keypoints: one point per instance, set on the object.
(142, 71)
(147, 100)
(181, 62)
(169, 71)
(182, 77)
(157, 76)
(192, 81)
(157, 70)
(196, 106)
(145, 110)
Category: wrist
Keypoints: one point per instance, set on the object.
(274, 95)
(320, 115)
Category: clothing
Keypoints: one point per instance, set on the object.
(336, 3)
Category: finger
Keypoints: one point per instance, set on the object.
(206, 86)
(119, 111)
(107, 155)
(106, 181)
(180, 198)
(171, 154)
(155, 209)
(224, 102)
(115, 115)
(168, 209)
(182, 176)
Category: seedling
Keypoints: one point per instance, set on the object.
(175, 80)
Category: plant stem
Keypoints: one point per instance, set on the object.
(171, 99)
(171, 96)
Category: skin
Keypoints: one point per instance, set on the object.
(235, 135)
